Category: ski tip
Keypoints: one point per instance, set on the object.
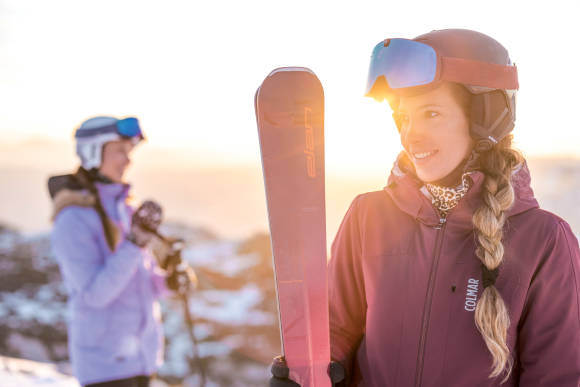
(295, 68)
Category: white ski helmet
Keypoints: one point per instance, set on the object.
(95, 132)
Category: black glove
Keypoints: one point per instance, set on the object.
(280, 373)
(144, 223)
(148, 216)
(336, 373)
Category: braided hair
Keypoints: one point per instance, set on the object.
(491, 314)
(497, 162)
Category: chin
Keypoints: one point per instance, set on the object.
(117, 178)
(428, 176)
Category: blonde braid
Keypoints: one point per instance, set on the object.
(491, 314)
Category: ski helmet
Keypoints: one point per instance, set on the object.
(95, 132)
(402, 67)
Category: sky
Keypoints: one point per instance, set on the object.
(189, 70)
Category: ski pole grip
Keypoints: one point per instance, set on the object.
(279, 368)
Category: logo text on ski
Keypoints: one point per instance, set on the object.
(309, 143)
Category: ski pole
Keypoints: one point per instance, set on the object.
(182, 290)
(190, 326)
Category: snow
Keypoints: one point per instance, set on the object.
(206, 254)
(221, 256)
(7, 242)
(232, 267)
(25, 373)
(46, 312)
(233, 307)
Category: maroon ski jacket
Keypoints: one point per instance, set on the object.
(403, 287)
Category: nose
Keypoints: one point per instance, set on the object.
(412, 132)
(126, 159)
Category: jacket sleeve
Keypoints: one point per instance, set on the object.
(549, 330)
(347, 300)
(159, 280)
(77, 250)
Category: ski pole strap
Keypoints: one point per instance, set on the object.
(488, 276)
(85, 180)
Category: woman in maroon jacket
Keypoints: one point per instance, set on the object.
(452, 275)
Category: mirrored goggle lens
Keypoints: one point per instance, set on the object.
(129, 127)
(403, 63)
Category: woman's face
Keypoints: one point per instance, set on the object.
(434, 131)
(116, 159)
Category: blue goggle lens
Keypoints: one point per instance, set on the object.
(403, 63)
(129, 127)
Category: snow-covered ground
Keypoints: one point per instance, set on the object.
(234, 312)
(28, 373)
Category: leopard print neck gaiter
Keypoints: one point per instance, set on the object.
(444, 199)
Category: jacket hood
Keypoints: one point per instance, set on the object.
(65, 190)
(413, 198)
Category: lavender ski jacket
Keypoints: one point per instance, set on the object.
(114, 329)
(403, 287)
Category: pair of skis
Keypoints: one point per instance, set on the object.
(290, 116)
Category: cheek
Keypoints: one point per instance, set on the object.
(118, 159)
(456, 137)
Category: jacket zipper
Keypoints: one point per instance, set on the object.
(429, 300)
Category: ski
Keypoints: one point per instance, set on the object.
(290, 116)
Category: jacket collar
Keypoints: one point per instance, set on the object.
(111, 194)
(113, 191)
(412, 197)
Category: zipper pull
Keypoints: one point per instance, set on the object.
(442, 221)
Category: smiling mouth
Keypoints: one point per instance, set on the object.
(423, 156)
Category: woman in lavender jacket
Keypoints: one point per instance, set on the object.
(115, 335)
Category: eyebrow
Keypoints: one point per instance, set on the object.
(428, 105)
(423, 106)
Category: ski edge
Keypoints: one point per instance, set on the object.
(256, 109)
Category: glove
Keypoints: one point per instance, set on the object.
(280, 373)
(148, 216)
(336, 373)
(144, 223)
(139, 236)
(181, 278)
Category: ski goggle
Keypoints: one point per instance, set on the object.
(127, 128)
(399, 64)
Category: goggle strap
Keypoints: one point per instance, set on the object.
(96, 131)
(478, 73)
(112, 128)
